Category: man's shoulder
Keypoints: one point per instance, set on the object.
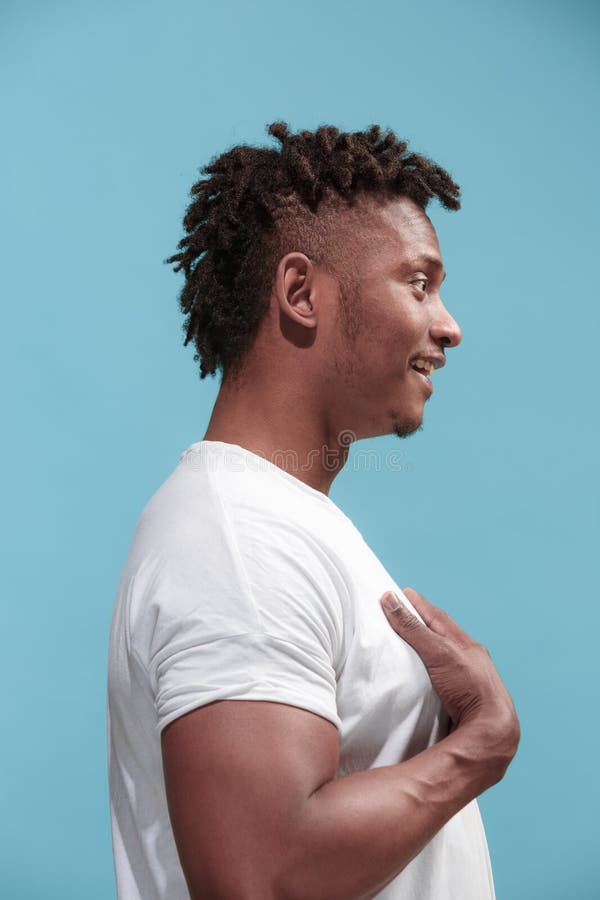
(225, 556)
(208, 526)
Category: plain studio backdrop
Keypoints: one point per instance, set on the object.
(491, 511)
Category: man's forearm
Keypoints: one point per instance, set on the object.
(358, 832)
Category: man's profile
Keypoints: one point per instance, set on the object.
(275, 731)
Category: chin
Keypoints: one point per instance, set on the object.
(405, 428)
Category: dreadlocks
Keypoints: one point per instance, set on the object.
(259, 203)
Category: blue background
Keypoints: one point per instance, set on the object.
(109, 111)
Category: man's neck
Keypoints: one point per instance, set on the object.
(283, 427)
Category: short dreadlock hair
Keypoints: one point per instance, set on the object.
(260, 203)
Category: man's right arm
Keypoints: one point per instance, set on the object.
(258, 814)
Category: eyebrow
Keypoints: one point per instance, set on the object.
(428, 260)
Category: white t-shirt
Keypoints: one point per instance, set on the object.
(244, 583)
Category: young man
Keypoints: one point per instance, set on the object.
(275, 733)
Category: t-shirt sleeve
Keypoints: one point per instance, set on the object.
(251, 614)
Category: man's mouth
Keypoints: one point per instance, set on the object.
(423, 367)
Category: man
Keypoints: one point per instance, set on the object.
(275, 733)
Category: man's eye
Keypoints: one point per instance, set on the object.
(423, 281)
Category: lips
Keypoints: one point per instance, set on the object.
(425, 380)
(427, 362)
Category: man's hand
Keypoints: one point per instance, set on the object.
(461, 671)
(259, 814)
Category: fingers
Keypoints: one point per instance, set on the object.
(398, 610)
(436, 618)
(433, 616)
(404, 623)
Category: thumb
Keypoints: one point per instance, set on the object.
(406, 625)
(427, 643)
(398, 612)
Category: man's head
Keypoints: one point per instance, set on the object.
(327, 236)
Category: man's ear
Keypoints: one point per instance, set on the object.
(294, 288)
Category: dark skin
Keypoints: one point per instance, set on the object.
(327, 383)
(256, 810)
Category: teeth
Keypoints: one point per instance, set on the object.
(424, 364)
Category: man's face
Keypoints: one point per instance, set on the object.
(398, 319)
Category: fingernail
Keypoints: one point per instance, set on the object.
(390, 601)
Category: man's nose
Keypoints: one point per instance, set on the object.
(446, 330)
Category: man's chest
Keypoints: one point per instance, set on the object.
(384, 696)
